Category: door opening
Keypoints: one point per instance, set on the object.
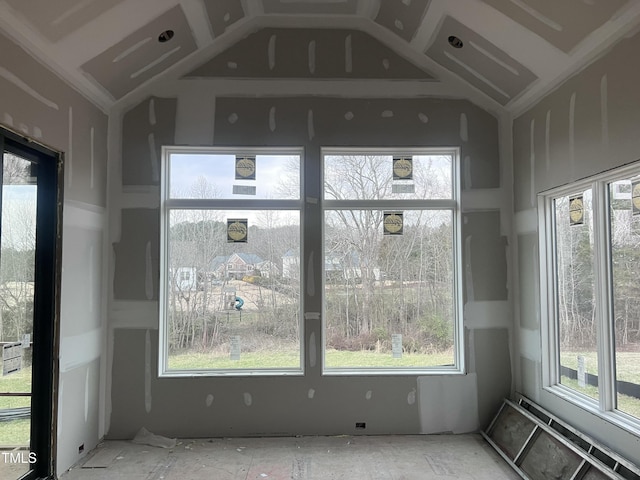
(29, 306)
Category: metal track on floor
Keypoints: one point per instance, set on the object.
(540, 446)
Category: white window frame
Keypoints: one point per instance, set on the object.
(605, 406)
(452, 204)
(167, 204)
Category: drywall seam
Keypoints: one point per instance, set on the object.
(83, 215)
(138, 314)
(547, 141)
(482, 199)
(140, 200)
(488, 314)
(529, 342)
(448, 404)
(78, 350)
(532, 162)
(147, 372)
(604, 112)
(525, 221)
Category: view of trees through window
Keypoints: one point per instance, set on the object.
(231, 300)
(581, 322)
(233, 271)
(17, 262)
(577, 323)
(624, 220)
(390, 292)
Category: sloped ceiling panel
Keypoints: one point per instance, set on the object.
(402, 17)
(335, 7)
(310, 53)
(479, 62)
(223, 13)
(57, 19)
(140, 56)
(563, 23)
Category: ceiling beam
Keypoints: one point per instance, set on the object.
(198, 20)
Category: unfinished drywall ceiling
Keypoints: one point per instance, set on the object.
(557, 22)
(512, 51)
(58, 19)
(479, 62)
(143, 54)
(310, 53)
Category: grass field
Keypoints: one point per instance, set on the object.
(627, 369)
(284, 359)
(15, 432)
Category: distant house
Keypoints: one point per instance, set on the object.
(239, 265)
(185, 278)
(336, 267)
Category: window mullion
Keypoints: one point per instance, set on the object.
(604, 317)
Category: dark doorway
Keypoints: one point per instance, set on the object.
(30, 213)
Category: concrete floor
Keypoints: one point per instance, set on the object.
(305, 458)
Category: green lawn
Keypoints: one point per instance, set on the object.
(15, 432)
(284, 359)
(627, 369)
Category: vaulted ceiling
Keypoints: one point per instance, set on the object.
(506, 52)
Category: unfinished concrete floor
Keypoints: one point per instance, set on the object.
(449, 457)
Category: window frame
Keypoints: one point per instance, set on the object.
(167, 204)
(453, 204)
(606, 405)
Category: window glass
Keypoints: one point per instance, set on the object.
(624, 218)
(234, 176)
(230, 299)
(376, 177)
(575, 292)
(390, 262)
(389, 299)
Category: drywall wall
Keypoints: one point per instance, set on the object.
(586, 126)
(37, 104)
(313, 403)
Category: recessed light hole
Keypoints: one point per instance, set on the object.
(166, 36)
(455, 42)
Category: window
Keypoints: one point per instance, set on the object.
(227, 220)
(232, 276)
(391, 261)
(590, 242)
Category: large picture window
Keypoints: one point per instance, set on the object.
(233, 280)
(590, 243)
(228, 220)
(391, 261)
